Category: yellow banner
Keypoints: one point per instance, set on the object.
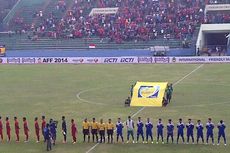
(148, 94)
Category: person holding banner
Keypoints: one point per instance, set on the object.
(169, 91)
(131, 90)
(130, 128)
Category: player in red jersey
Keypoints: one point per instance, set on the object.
(1, 128)
(16, 127)
(43, 126)
(37, 129)
(26, 129)
(73, 131)
(8, 129)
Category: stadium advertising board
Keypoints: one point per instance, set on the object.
(120, 60)
(2, 60)
(52, 60)
(28, 60)
(162, 60)
(214, 59)
(115, 60)
(145, 60)
(85, 60)
(13, 60)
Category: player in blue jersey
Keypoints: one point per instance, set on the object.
(180, 130)
(160, 128)
(170, 129)
(210, 126)
(53, 130)
(199, 128)
(190, 127)
(221, 132)
(119, 127)
(140, 131)
(149, 132)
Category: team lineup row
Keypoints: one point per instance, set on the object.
(99, 129)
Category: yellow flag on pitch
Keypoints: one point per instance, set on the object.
(148, 94)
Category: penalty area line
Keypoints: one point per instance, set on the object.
(174, 84)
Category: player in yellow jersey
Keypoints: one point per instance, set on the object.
(86, 127)
(101, 128)
(110, 129)
(94, 129)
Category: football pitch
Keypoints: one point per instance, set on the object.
(80, 91)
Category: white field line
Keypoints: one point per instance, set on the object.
(87, 101)
(177, 82)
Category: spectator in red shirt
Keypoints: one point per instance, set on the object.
(16, 126)
(8, 129)
(1, 128)
(43, 126)
(37, 129)
(26, 129)
(73, 131)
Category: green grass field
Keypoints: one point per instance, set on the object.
(79, 91)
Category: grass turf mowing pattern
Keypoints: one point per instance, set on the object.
(34, 90)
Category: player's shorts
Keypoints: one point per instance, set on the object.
(160, 133)
(210, 134)
(140, 132)
(102, 132)
(221, 134)
(94, 131)
(110, 132)
(119, 133)
(86, 131)
(170, 134)
(189, 134)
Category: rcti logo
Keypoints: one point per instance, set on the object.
(148, 91)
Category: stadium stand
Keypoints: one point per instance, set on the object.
(66, 24)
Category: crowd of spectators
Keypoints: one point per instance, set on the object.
(136, 20)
